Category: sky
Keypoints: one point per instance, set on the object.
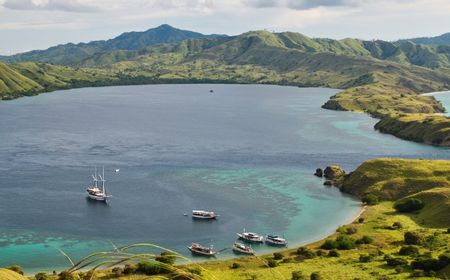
(38, 24)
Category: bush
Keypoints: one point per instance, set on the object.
(235, 266)
(315, 276)
(320, 253)
(428, 264)
(370, 199)
(151, 268)
(408, 205)
(418, 273)
(16, 268)
(329, 244)
(129, 269)
(448, 230)
(277, 256)
(413, 238)
(396, 261)
(117, 271)
(272, 263)
(167, 258)
(297, 275)
(433, 242)
(345, 242)
(41, 276)
(65, 275)
(334, 253)
(366, 258)
(365, 240)
(445, 258)
(397, 225)
(305, 253)
(409, 250)
(351, 230)
(361, 220)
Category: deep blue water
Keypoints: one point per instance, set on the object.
(245, 151)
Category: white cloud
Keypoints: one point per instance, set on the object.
(56, 5)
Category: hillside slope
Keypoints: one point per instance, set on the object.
(71, 54)
(443, 39)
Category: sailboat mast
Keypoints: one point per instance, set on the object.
(103, 180)
(95, 179)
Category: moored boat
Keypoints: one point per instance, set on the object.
(201, 250)
(94, 192)
(240, 248)
(250, 237)
(275, 240)
(201, 214)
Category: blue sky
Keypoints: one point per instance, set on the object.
(38, 24)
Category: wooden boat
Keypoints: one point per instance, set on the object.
(275, 240)
(240, 248)
(94, 192)
(201, 214)
(250, 237)
(198, 249)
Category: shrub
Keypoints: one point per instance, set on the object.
(409, 250)
(445, 258)
(277, 256)
(297, 275)
(345, 242)
(448, 230)
(365, 240)
(117, 271)
(418, 273)
(65, 275)
(413, 238)
(167, 258)
(41, 276)
(315, 276)
(333, 253)
(272, 263)
(151, 268)
(235, 266)
(320, 253)
(397, 225)
(129, 269)
(351, 230)
(329, 244)
(408, 205)
(433, 241)
(16, 268)
(361, 220)
(428, 264)
(366, 258)
(305, 253)
(396, 262)
(370, 199)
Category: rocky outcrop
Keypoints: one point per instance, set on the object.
(333, 172)
(319, 172)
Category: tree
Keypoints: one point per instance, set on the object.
(413, 238)
(41, 276)
(409, 205)
(370, 199)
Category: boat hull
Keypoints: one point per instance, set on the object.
(200, 253)
(203, 218)
(251, 240)
(97, 198)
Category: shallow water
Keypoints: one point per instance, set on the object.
(245, 151)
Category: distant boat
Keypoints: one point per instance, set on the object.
(211, 91)
(240, 248)
(117, 170)
(201, 250)
(201, 214)
(94, 192)
(250, 237)
(275, 240)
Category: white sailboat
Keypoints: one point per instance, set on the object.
(94, 192)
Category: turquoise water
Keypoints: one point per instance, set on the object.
(444, 97)
(245, 151)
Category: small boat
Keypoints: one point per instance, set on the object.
(201, 214)
(198, 249)
(117, 170)
(251, 237)
(94, 192)
(275, 240)
(242, 249)
(211, 91)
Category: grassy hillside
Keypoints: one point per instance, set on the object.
(6, 274)
(393, 179)
(14, 83)
(443, 39)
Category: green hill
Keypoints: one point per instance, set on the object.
(443, 39)
(71, 54)
(6, 274)
(12, 82)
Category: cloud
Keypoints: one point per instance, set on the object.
(55, 5)
(300, 4)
